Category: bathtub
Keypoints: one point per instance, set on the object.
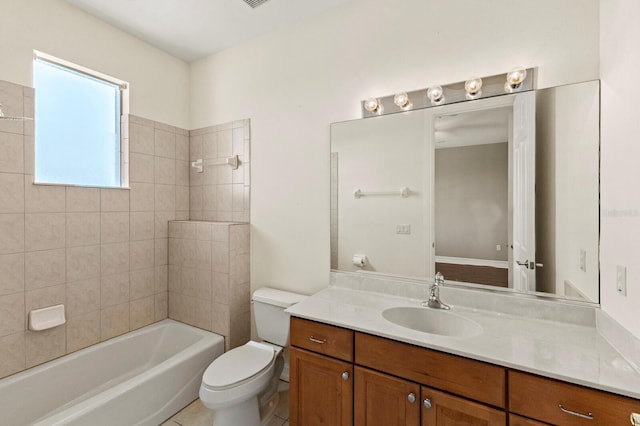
(139, 378)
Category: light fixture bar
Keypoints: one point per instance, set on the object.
(452, 93)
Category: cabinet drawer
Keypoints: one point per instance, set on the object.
(322, 338)
(562, 403)
(461, 376)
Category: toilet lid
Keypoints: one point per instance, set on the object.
(237, 365)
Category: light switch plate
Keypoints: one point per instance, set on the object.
(621, 280)
(403, 229)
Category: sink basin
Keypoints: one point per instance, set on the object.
(443, 323)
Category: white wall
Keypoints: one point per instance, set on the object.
(159, 82)
(293, 83)
(471, 201)
(620, 174)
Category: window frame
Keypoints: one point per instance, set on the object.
(124, 116)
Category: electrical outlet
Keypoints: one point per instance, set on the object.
(498, 247)
(621, 280)
(403, 229)
(583, 260)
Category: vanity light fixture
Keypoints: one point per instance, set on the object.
(436, 95)
(402, 100)
(373, 105)
(515, 77)
(473, 87)
(517, 80)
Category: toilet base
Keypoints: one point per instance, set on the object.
(268, 410)
(245, 414)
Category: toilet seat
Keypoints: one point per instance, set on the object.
(238, 365)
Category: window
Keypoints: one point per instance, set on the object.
(78, 114)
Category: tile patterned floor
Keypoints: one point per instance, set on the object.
(196, 414)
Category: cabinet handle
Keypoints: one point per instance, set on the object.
(345, 375)
(411, 397)
(427, 403)
(318, 341)
(635, 419)
(588, 416)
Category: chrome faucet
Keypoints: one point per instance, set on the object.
(434, 294)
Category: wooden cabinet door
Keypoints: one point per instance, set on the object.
(515, 420)
(321, 390)
(383, 400)
(442, 409)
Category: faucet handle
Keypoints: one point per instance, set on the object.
(439, 279)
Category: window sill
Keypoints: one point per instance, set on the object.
(80, 186)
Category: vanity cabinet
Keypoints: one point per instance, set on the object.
(342, 377)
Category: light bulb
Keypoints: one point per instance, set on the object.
(473, 87)
(515, 77)
(435, 95)
(372, 105)
(402, 100)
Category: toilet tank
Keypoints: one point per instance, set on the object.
(272, 323)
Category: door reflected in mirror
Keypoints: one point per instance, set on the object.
(500, 192)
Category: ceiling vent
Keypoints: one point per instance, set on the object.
(255, 3)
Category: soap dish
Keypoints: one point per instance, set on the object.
(46, 318)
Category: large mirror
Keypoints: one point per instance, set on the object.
(500, 192)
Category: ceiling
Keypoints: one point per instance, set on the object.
(192, 29)
(482, 127)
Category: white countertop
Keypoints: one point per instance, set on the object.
(573, 353)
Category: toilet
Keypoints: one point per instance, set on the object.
(241, 382)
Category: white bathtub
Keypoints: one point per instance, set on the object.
(140, 378)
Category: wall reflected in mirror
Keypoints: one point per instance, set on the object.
(500, 192)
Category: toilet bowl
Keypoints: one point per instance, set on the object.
(234, 383)
(231, 383)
